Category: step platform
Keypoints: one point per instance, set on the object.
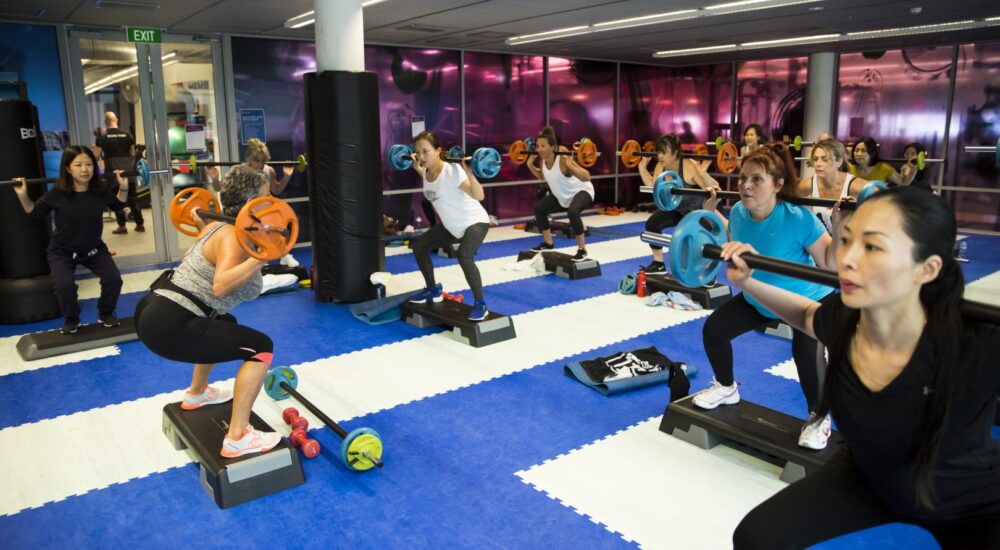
(52, 342)
(709, 297)
(767, 434)
(563, 265)
(449, 251)
(777, 329)
(495, 328)
(557, 227)
(230, 481)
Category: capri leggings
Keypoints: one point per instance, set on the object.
(549, 204)
(172, 332)
(468, 245)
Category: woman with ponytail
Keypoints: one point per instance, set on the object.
(911, 385)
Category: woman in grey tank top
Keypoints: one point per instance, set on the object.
(184, 318)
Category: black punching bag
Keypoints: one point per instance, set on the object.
(345, 183)
(26, 289)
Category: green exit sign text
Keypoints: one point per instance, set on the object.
(142, 34)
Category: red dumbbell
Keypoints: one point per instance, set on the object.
(298, 437)
(288, 414)
(310, 448)
(300, 423)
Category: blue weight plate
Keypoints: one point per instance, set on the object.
(399, 157)
(628, 284)
(486, 163)
(870, 189)
(529, 144)
(695, 230)
(142, 167)
(369, 440)
(456, 152)
(273, 380)
(665, 200)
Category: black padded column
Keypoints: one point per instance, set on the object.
(22, 248)
(345, 189)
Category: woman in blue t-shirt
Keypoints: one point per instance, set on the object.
(776, 228)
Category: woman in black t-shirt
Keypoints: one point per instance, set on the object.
(911, 384)
(79, 199)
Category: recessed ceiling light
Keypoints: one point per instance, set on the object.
(916, 10)
(816, 8)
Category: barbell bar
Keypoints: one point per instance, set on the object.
(142, 172)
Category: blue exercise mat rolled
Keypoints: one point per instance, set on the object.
(382, 310)
(625, 371)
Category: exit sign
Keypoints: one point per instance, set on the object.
(142, 34)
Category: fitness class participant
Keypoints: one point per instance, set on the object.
(257, 156)
(455, 193)
(920, 177)
(829, 181)
(669, 158)
(184, 316)
(753, 137)
(115, 150)
(780, 229)
(79, 198)
(911, 384)
(868, 165)
(569, 187)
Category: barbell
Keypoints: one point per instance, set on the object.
(266, 227)
(995, 149)
(192, 162)
(696, 258)
(795, 143)
(361, 448)
(727, 160)
(485, 160)
(668, 189)
(585, 151)
(141, 172)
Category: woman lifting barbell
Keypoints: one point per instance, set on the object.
(765, 218)
(569, 186)
(867, 164)
(830, 180)
(670, 158)
(911, 383)
(79, 199)
(456, 194)
(184, 316)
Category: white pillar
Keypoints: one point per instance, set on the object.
(340, 36)
(821, 94)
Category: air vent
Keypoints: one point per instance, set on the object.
(421, 28)
(117, 5)
(491, 34)
(21, 12)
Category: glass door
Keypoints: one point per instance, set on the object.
(163, 97)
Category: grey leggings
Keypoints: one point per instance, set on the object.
(437, 237)
(581, 201)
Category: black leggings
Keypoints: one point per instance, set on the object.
(661, 220)
(736, 317)
(549, 204)
(172, 332)
(437, 237)
(834, 501)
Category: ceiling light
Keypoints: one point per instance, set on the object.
(839, 37)
(728, 8)
(308, 18)
(125, 74)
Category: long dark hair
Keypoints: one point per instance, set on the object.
(761, 138)
(872, 146)
(929, 222)
(64, 182)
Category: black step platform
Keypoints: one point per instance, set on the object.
(495, 328)
(563, 265)
(52, 342)
(230, 481)
(710, 297)
(755, 430)
(557, 227)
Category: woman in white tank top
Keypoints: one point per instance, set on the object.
(830, 180)
(569, 186)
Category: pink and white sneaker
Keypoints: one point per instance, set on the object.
(210, 396)
(253, 441)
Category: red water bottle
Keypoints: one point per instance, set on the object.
(640, 284)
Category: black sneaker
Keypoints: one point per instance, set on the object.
(108, 319)
(654, 267)
(70, 326)
(543, 246)
(581, 255)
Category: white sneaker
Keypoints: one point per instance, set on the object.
(716, 395)
(289, 261)
(815, 433)
(253, 441)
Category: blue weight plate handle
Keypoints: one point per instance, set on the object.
(664, 199)
(687, 264)
(486, 163)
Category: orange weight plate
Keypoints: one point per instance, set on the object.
(728, 158)
(700, 149)
(518, 152)
(629, 157)
(267, 228)
(586, 154)
(186, 201)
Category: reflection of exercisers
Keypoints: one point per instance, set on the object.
(455, 193)
(184, 318)
(115, 150)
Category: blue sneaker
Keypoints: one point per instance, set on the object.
(479, 311)
(428, 295)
